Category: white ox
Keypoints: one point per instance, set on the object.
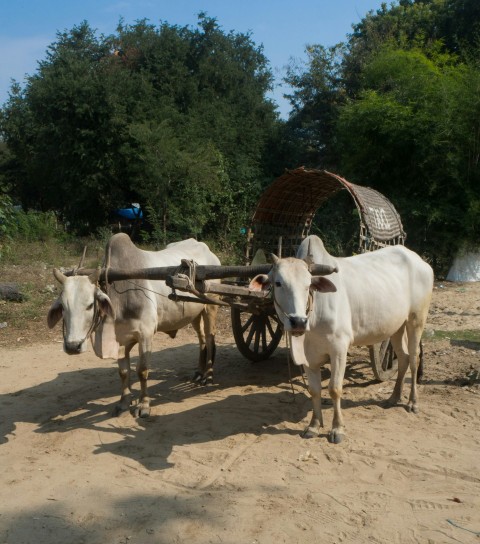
(375, 296)
(133, 312)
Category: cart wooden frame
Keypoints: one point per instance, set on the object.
(282, 219)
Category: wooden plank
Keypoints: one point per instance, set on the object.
(203, 272)
(210, 287)
(234, 290)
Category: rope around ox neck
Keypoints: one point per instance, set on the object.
(308, 309)
(96, 320)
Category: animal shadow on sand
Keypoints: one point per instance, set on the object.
(469, 344)
(248, 398)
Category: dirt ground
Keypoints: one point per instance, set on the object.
(227, 464)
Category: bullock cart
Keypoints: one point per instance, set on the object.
(282, 219)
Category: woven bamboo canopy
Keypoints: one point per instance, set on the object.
(287, 207)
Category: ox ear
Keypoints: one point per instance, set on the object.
(322, 285)
(260, 283)
(54, 314)
(104, 304)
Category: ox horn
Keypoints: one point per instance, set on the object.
(275, 259)
(95, 276)
(82, 260)
(59, 276)
(309, 258)
(322, 269)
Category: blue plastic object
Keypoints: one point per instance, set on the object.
(133, 212)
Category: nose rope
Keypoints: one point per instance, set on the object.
(93, 325)
(308, 309)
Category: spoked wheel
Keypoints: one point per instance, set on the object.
(256, 335)
(384, 361)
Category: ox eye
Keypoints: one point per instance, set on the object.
(278, 284)
(90, 306)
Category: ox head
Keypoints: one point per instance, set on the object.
(81, 304)
(292, 282)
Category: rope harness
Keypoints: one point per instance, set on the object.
(289, 363)
(187, 271)
(287, 341)
(308, 309)
(96, 320)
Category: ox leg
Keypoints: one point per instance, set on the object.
(209, 315)
(399, 345)
(314, 377)
(145, 350)
(414, 337)
(197, 324)
(338, 362)
(205, 327)
(124, 373)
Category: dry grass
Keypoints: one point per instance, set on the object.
(29, 265)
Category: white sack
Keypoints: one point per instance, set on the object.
(465, 267)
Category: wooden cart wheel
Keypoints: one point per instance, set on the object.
(256, 335)
(384, 361)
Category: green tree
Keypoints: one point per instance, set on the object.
(412, 24)
(396, 108)
(175, 118)
(62, 128)
(413, 134)
(318, 92)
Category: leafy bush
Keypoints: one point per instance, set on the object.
(6, 221)
(18, 226)
(34, 226)
(6, 213)
(177, 120)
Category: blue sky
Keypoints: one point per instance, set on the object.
(284, 27)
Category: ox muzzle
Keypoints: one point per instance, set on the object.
(75, 347)
(298, 325)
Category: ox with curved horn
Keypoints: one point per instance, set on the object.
(376, 296)
(82, 305)
(137, 307)
(82, 260)
(295, 317)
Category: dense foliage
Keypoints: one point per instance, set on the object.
(398, 108)
(172, 117)
(177, 118)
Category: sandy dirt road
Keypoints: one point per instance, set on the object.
(227, 464)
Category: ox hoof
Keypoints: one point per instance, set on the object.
(392, 401)
(412, 408)
(335, 437)
(123, 404)
(119, 409)
(200, 379)
(141, 411)
(311, 432)
(197, 377)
